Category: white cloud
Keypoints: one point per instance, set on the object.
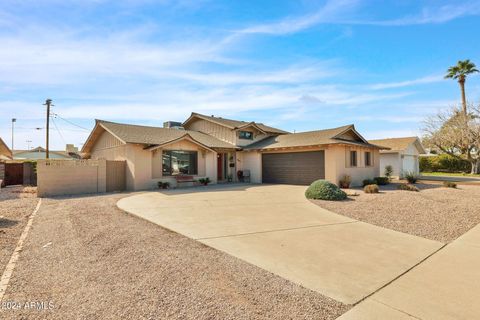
(331, 11)
(407, 83)
(337, 12)
(440, 14)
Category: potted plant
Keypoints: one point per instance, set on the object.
(230, 178)
(204, 181)
(240, 175)
(345, 182)
(163, 185)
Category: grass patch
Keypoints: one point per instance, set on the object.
(449, 174)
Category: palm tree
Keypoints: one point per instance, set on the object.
(460, 72)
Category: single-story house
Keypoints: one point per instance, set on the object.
(70, 152)
(5, 152)
(402, 154)
(218, 148)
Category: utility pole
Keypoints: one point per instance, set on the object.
(13, 124)
(48, 103)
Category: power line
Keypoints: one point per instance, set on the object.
(70, 122)
(59, 133)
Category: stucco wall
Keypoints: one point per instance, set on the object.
(251, 160)
(57, 177)
(393, 159)
(337, 164)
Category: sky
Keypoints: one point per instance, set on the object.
(298, 65)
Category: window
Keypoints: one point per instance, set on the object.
(245, 135)
(368, 159)
(353, 158)
(179, 162)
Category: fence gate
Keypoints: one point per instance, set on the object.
(13, 174)
(115, 176)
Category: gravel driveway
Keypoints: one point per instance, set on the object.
(435, 213)
(92, 261)
(16, 204)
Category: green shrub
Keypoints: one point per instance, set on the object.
(163, 185)
(407, 187)
(381, 181)
(204, 181)
(443, 163)
(388, 171)
(411, 176)
(371, 188)
(449, 184)
(345, 182)
(324, 190)
(366, 182)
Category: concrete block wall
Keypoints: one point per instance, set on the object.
(57, 177)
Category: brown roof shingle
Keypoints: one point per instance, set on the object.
(396, 144)
(309, 138)
(130, 133)
(236, 123)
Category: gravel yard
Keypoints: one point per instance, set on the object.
(16, 205)
(436, 213)
(93, 261)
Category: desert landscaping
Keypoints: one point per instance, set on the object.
(435, 212)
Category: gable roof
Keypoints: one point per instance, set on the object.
(311, 138)
(399, 144)
(5, 152)
(151, 136)
(234, 124)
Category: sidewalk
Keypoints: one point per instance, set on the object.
(445, 286)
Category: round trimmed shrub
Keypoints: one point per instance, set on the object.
(324, 190)
(371, 188)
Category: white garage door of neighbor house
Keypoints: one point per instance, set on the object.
(409, 163)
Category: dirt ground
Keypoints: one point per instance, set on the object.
(86, 259)
(436, 212)
(16, 205)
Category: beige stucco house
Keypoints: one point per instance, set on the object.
(218, 148)
(402, 154)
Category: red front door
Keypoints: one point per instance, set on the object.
(220, 166)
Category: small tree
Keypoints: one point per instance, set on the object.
(456, 134)
(388, 171)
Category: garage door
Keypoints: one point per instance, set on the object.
(293, 167)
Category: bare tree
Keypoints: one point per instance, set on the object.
(455, 133)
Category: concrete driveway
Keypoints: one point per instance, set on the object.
(276, 228)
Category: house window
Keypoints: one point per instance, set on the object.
(368, 159)
(353, 158)
(176, 162)
(248, 135)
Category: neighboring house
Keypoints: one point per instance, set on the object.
(41, 153)
(5, 152)
(214, 147)
(402, 156)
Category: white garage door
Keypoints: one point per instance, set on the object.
(410, 163)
